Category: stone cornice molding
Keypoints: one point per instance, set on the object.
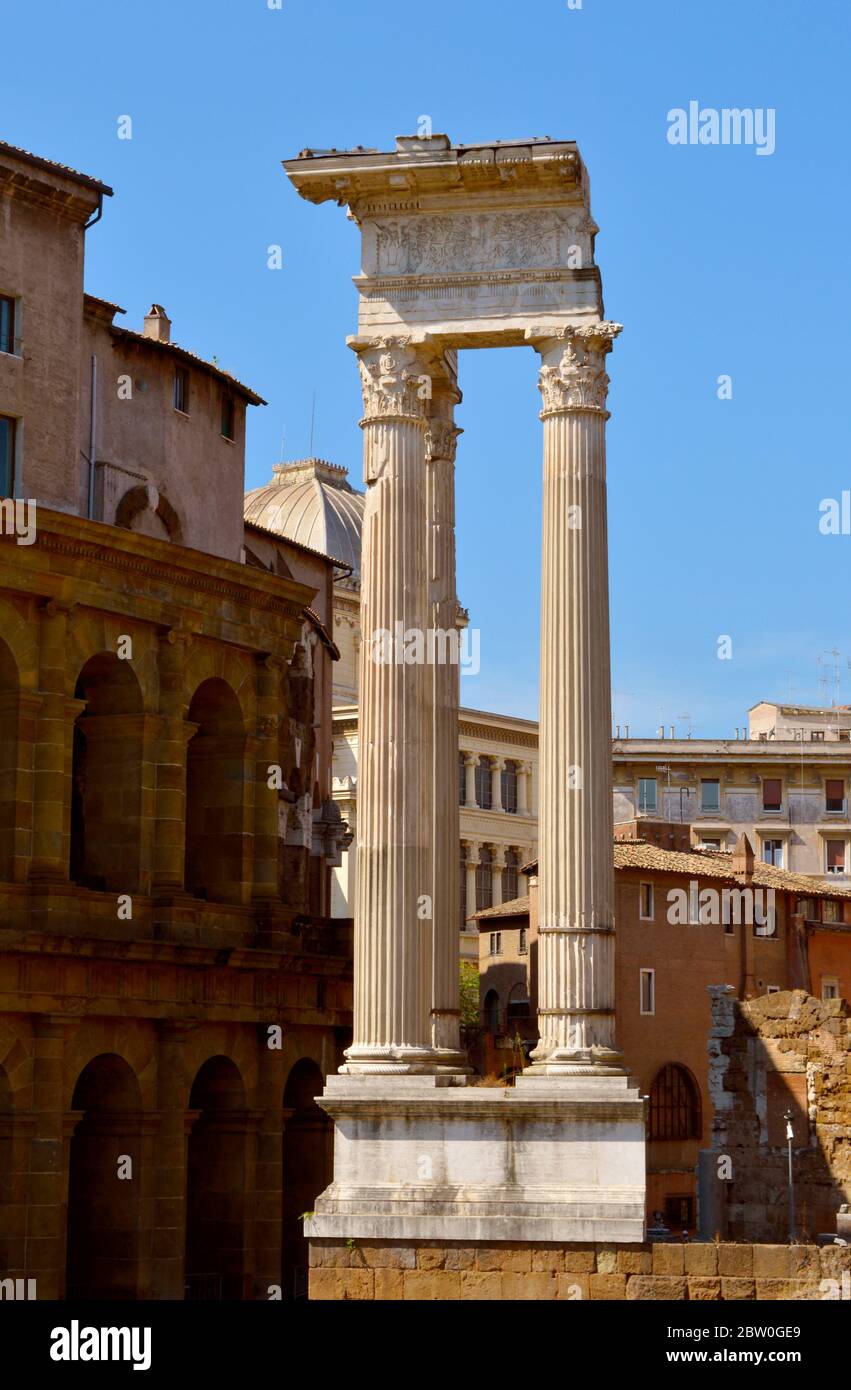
(573, 376)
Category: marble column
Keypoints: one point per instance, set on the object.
(497, 871)
(471, 762)
(472, 863)
(445, 675)
(393, 941)
(497, 769)
(576, 930)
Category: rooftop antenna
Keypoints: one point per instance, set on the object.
(829, 677)
(687, 717)
(312, 420)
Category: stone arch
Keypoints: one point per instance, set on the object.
(217, 836)
(308, 1165)
(216, 1182)
(205, 662)
(21, 639)
(106, 776)
(146, 501)
(104, 1182)
(98, 635)
(491, 1011)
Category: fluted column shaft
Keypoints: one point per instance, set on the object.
(576, 978)
(392, 984)
(445, 699)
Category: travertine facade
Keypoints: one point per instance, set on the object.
(172, 991)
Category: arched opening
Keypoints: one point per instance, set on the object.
(106, 779)
(490, 1011)
(308, 1168)
(519, 1007)
(8, 759)
(215, 1184)
(104, 1175)
(214, 795)
(674, 1105)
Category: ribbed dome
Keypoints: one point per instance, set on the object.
(311, 503)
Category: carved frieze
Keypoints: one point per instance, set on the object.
(455, 242)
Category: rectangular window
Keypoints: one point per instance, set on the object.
(647, 793)
(807, 908)
(830, 911)
(817, 735)
(522, 946)
(496, 943)
(772, 793)
(647, 991)
(645, 910)
(772, 989)
(710, 794)
(228, 417)
(772, 853)
(845, 735)
(710, 844)
(508, 779)
(7, 455)
(484, 784)
(829, 987)
(835, 857)
(834, 794)
(7, 324)
(181, 391)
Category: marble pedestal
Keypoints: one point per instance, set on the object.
(433, 1158)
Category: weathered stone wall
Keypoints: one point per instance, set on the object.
(785, 1051)
(696, 1272)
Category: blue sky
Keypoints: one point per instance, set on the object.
(716, 260)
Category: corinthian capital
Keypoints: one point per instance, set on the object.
(395, 380)
(573, 373)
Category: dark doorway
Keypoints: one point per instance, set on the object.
(104, 1177)
(308, 1168)
(215, 1184)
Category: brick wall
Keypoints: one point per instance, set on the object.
(444, 1271)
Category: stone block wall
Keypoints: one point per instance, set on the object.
(777, 1053)
(432, 1270)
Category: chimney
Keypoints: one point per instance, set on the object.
(157, 324)
(743, 860)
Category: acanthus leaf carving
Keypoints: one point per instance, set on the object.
(392, 382)
(573, 375)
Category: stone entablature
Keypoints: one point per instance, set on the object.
(473, 243)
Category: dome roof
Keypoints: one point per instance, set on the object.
(310, 502)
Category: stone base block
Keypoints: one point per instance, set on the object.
(552, 1159)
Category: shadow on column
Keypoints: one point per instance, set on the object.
(215, 1191)
(102, 1256)
(308, 1168)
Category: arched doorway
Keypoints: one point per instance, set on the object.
(214, 795)
(673, 1142)
(106, 780)
(491, 1012)
(215, 1184)
(8, 759)
(308, 1168)
(674, 1104)
(104, 1176)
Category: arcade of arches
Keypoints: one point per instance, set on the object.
(172, 990)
